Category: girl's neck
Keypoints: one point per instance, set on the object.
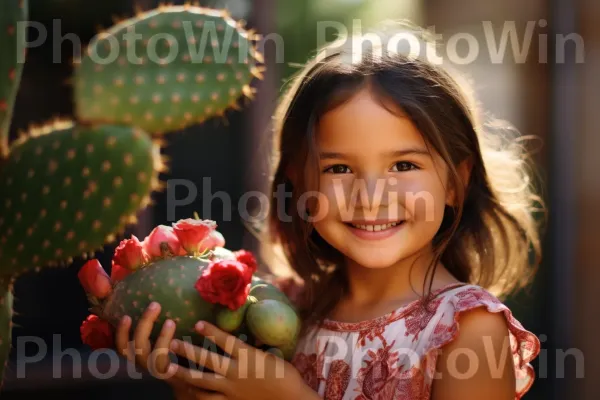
(402, 281)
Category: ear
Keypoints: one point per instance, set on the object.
(464, 169)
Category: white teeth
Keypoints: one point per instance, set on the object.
(375, 228)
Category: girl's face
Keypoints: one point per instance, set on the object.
(382, 192)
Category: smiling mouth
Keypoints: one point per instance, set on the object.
(374, 227)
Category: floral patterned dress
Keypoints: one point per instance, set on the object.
(394, 356)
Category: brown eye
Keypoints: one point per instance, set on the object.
(338, 169)
(404, 166)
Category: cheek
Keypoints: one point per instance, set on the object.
(424, 200)
(333, 197)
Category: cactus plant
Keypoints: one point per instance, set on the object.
(69, 187)
(12, 40)
(144, 70)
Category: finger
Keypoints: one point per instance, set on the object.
(229, 343)
(199, 379)
(143, 331)
(202, 356)
(122, 338)
(159, 361)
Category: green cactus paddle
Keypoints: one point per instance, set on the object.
(166, 69)
(6, 313)
(69, 190)
(12, 41)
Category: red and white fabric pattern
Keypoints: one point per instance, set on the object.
(394, 356)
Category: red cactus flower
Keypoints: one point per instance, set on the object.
(162, 241)
(131, 254)
(94, 279)
(118, 273)
(225, 282)
(192, 232)
(246, 257)
(97, 333)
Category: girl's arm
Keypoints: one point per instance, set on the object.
(478, 364)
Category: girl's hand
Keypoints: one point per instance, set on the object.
(248, 374)
(156, 361)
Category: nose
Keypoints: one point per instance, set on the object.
(372, 191)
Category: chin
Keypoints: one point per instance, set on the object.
(374, 259)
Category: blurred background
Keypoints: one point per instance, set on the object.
(550, 89)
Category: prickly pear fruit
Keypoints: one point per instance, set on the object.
(187, 65)
(264, 291)
(231, 320)
(6, 313)
(288, 350)
(67, 189)
(272, 322)
(12, 41)
(170, 282)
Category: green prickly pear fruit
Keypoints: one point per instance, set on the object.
(12, 41)
(288, 350)
(170, 282)
(272, 322)
(186, 65)
(265, 290)
(6, 313)
(231, 320)
(66, 190)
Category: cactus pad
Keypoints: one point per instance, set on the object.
(6, 313)
(179, 66)
(170, 282)
(68, 189)
(12, 40)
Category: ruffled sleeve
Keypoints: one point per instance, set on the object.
(525, 346)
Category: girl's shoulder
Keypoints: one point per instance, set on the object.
(462, 299)
(426, 328)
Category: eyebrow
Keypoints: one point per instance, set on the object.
(327, 155)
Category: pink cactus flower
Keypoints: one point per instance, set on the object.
(214, 240)
(162, 241)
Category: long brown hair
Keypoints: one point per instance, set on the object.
(489, 238)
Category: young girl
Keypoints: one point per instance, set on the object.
(404, 220)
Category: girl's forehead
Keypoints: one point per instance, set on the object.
(363, 122)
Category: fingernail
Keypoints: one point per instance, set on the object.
(199, 326)
(169, 324)
(174, 345)
(125, 320)
(171, 369)
(153, 306)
